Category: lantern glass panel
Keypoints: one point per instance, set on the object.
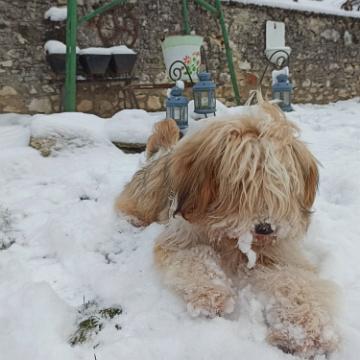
(184, 115)
(212, 99)
(277, 95)
(177, 113)
(286, 97)
(204, 99)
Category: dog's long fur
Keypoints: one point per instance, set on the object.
(213, 187)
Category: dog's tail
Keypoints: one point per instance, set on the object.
(165, 135)
(255, 96)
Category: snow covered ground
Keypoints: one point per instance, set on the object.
(330, 7)
(62, 245)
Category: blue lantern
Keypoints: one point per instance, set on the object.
(177, 108)
(281, 91)
(204, 95)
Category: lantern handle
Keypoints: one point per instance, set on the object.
(177, 72)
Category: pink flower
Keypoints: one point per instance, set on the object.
(187, 60)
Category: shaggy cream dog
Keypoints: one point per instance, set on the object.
(236, 196)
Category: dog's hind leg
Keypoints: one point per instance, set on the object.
(194, 272)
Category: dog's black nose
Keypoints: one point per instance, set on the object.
(263, 229)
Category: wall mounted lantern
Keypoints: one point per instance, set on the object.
(177, 108)
(204, 95)
(281, 90)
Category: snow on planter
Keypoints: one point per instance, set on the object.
(55, 55)
(56, 13)
(55, 47)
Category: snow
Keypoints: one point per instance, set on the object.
(14, 136)
(70, 246)
(56, 13)
(329, 7)
(69, 124)
(276, 73)
(116, 50)
(132, 126)
(244, 244)
(56, 47)
(96, 51)
(121, 49)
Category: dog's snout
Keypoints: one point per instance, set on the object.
(263, 229)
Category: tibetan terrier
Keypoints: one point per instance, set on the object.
(236, 197)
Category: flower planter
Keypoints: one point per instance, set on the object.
(185, 48)
(123, 64)
(57, 62)
(95, 64)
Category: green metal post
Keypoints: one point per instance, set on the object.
(185, 10)
(70, 79)
(205, 5)
(228, 52)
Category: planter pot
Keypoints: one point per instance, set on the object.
(123, 64)
(57, 62)
(185, 48)
(95, 64)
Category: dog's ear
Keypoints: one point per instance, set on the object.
(205, 166)
(309, 172)
(193, 179)
(194, 169)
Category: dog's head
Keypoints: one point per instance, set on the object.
(246, 173)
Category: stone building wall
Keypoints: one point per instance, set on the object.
(324, 64)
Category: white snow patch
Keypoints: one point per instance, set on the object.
(244, 244)
(69, 125)
(133, 126)
(70, 245)
(221, 109)
(96, 51)
(329, 7)
(14, 136)
(276, 73)
(121, 49)
(56, 13)
(56, 47)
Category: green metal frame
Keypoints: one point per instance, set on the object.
(72, 24)
(216, 11)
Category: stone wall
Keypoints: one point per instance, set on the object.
(324, 63)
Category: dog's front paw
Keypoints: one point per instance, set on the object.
(210, 301)
(304, 340)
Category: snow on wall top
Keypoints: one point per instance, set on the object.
(328, 7)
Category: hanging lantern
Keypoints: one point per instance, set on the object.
(204, 95)
(281, 90)
(177, 108)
